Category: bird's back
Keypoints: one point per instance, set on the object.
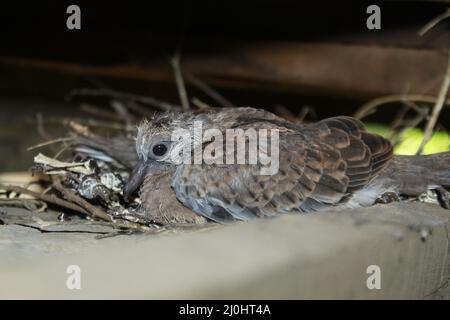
(320, 166)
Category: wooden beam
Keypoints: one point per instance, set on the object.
(354, 71)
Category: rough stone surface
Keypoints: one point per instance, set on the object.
(290, 257)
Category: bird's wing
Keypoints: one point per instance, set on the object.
(363, 155)
(320, 165)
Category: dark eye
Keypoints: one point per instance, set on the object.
(159, 150)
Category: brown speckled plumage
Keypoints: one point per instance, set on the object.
(332, 163)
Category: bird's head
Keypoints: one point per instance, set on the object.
(159, 146)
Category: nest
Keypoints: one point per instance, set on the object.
(89, 181)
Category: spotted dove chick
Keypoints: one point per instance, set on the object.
(332, 163)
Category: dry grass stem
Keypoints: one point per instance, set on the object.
(430, 25)
(175, 63)
(125, 96)
(437, 108)
(47, 143)
(92, 210)
(210, 92)
(371, 106)
(47, 198)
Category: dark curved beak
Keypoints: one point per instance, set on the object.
(135, 180)
(143, 169)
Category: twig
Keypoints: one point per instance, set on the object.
(56, 166)
(47, 198)
(73, 206)
(43, 144)
(444, 87)
(139, 109)
(96, 212)
(60, 152)
(369, 107)
(97, 124)
(43, 133)
(400, 116)
(430, 25)
(91, 123)
(125, 96)
(175, 62)
(284, 112)
(95, 111)
(413, 123)
(132, 105)
(34, 205)
(304, 112)
(40, 127)
(79, 129)
(209, 91)
(71, 196)
(200, 104)
(437, 108)
(122, 111)
(399, 123)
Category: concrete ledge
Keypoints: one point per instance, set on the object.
(290, 257)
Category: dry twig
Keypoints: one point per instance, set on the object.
(97, 112)
(437, 108)
(40, 127)
(175, 63)
(370, 107)
(444, 87)
(47, 198)
(200, 104)
(125, 96)
(92, 210)
(430, 25)
(47, 143)
(210, 91)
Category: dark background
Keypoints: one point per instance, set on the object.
(140, 32)
(144, 34)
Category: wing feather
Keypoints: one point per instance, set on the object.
(320, 165)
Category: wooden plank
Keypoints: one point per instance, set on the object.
(353, 71)
(293, 257)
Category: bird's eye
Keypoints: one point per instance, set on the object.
(159, 150)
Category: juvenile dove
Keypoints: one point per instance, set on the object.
(332, 163)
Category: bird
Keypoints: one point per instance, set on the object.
(333, 163)
(159, 203)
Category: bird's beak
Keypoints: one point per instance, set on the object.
(143, 169)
